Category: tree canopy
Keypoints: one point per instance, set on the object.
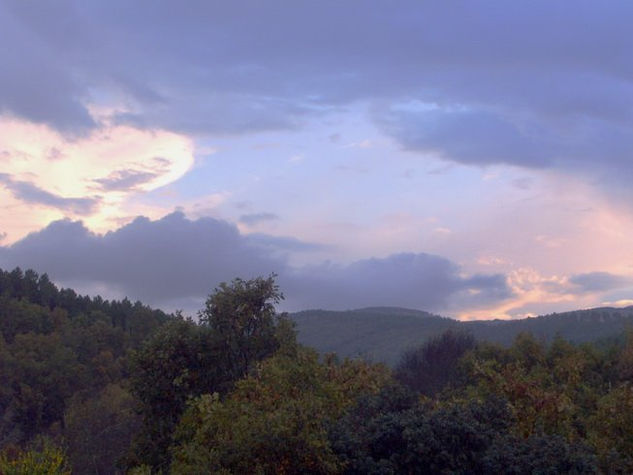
(95, 386)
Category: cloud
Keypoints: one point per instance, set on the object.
(523, 183)
(619, 303)
(125, 179)
(174, 260)
(92, 176)
(256, 218)
(37, 83)
(599, 282)
(471, 81)
(420, 281)
(362, 144)
(533, 293)
(283, 243)
(476, 136)
(155, 261)
(469, 136)
(30, 193)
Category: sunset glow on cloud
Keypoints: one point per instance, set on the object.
(47, 176)
(369, 155)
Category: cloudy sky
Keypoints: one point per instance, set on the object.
(469, 158)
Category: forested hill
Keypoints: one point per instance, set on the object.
(64, 368)
(32, 303)
(376, 333)
(95, 386)
(577, 326)
(383, 333)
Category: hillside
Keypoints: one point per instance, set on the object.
(377, 333)
(382, 333)
(64, 370)
(97, 386)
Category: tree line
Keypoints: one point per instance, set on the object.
(94, 386)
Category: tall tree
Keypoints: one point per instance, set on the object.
(238, 327)
(243, 316)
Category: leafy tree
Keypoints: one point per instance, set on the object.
(527, 351)
(543, 396)
(392, 433)
(611, 428)
(99, 430)
(432, 366)
(624, 362)
(58, 351)
(45, 374)
(237, 328)
(275, 420)
(178, 362)
(547, 455)
(43, 458)
(242, 314)
(21, 316)
(47, 292)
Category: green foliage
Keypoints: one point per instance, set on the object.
(60, 351)
(549, 455)
(392, 433)
(376, 334)
(98, 430)
(242, 315)
(44, 460)
(381, 334)
(575, 394)
(235, 393)
(546, 392)
(432, 366)
(183, 360)
(611, 428)
(178, 362)
(275, 420)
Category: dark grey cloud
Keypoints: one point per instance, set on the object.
(125, 179)
(30, 193)
(176, 261)
(599, 282)
(226, 113)
(535, 84)
(421, 281)
(154, 261)
(255, 218)
(471, 136)
(37, 81)
(484, 137)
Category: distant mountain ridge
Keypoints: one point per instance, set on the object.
(383, 333)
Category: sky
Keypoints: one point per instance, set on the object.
(468, 158)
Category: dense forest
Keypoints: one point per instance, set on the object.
(381, 333)
(95, 386)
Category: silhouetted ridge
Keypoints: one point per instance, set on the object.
(382, 333)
